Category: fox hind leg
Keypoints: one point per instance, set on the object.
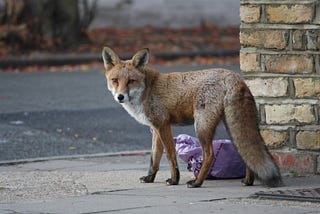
(207, 152)
(249, 178)
(205, 128)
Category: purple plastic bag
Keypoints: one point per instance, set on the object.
(227, 163)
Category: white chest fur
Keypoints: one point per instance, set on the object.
(136, 111)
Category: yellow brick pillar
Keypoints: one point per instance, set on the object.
(280, 60)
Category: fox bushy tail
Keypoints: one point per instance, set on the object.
(242, 122)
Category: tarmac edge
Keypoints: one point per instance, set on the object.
(71, 157)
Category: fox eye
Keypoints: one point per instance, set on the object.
(114, 80)
(130, 81)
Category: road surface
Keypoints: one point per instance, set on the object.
(45, 114)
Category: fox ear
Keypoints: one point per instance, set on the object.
(141, 58)
(110, 58)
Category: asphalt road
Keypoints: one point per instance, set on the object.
(44, 114)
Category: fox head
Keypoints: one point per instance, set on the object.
(125, 79)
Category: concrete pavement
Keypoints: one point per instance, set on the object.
(109, 184)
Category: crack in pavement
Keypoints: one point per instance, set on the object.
(119, 210)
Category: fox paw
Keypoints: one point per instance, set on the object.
(170, 181)
(147, 179)
(247, 182)
(193, 184)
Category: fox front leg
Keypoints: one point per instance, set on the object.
(162, 139)
(166, 138)
(157, 151)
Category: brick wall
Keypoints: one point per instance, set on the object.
(280, 60)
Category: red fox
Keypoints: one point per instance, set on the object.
(201, 98)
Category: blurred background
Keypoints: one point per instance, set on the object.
(47, 111)
(176, 31)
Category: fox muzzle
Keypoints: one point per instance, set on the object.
(120, 98)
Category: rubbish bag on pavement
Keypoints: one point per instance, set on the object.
(227, 162)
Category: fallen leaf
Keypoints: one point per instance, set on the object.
(72, 148)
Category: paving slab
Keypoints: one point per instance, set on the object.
(110, 185)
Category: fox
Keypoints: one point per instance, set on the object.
(201, 98)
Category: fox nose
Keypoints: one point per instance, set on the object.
(120, 97)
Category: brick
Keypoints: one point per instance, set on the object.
(283, 50)
(249, 62)
(308, 140)
(313, 38)
(307, 87)
(318, 165)
(271, 39)
(268, 87)
(299, 163)
(317, 64)
(290, 14)
(291, 64)
(289, 114)
(317, 16)
(249, 13)
(298, 40)
(274, 139)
